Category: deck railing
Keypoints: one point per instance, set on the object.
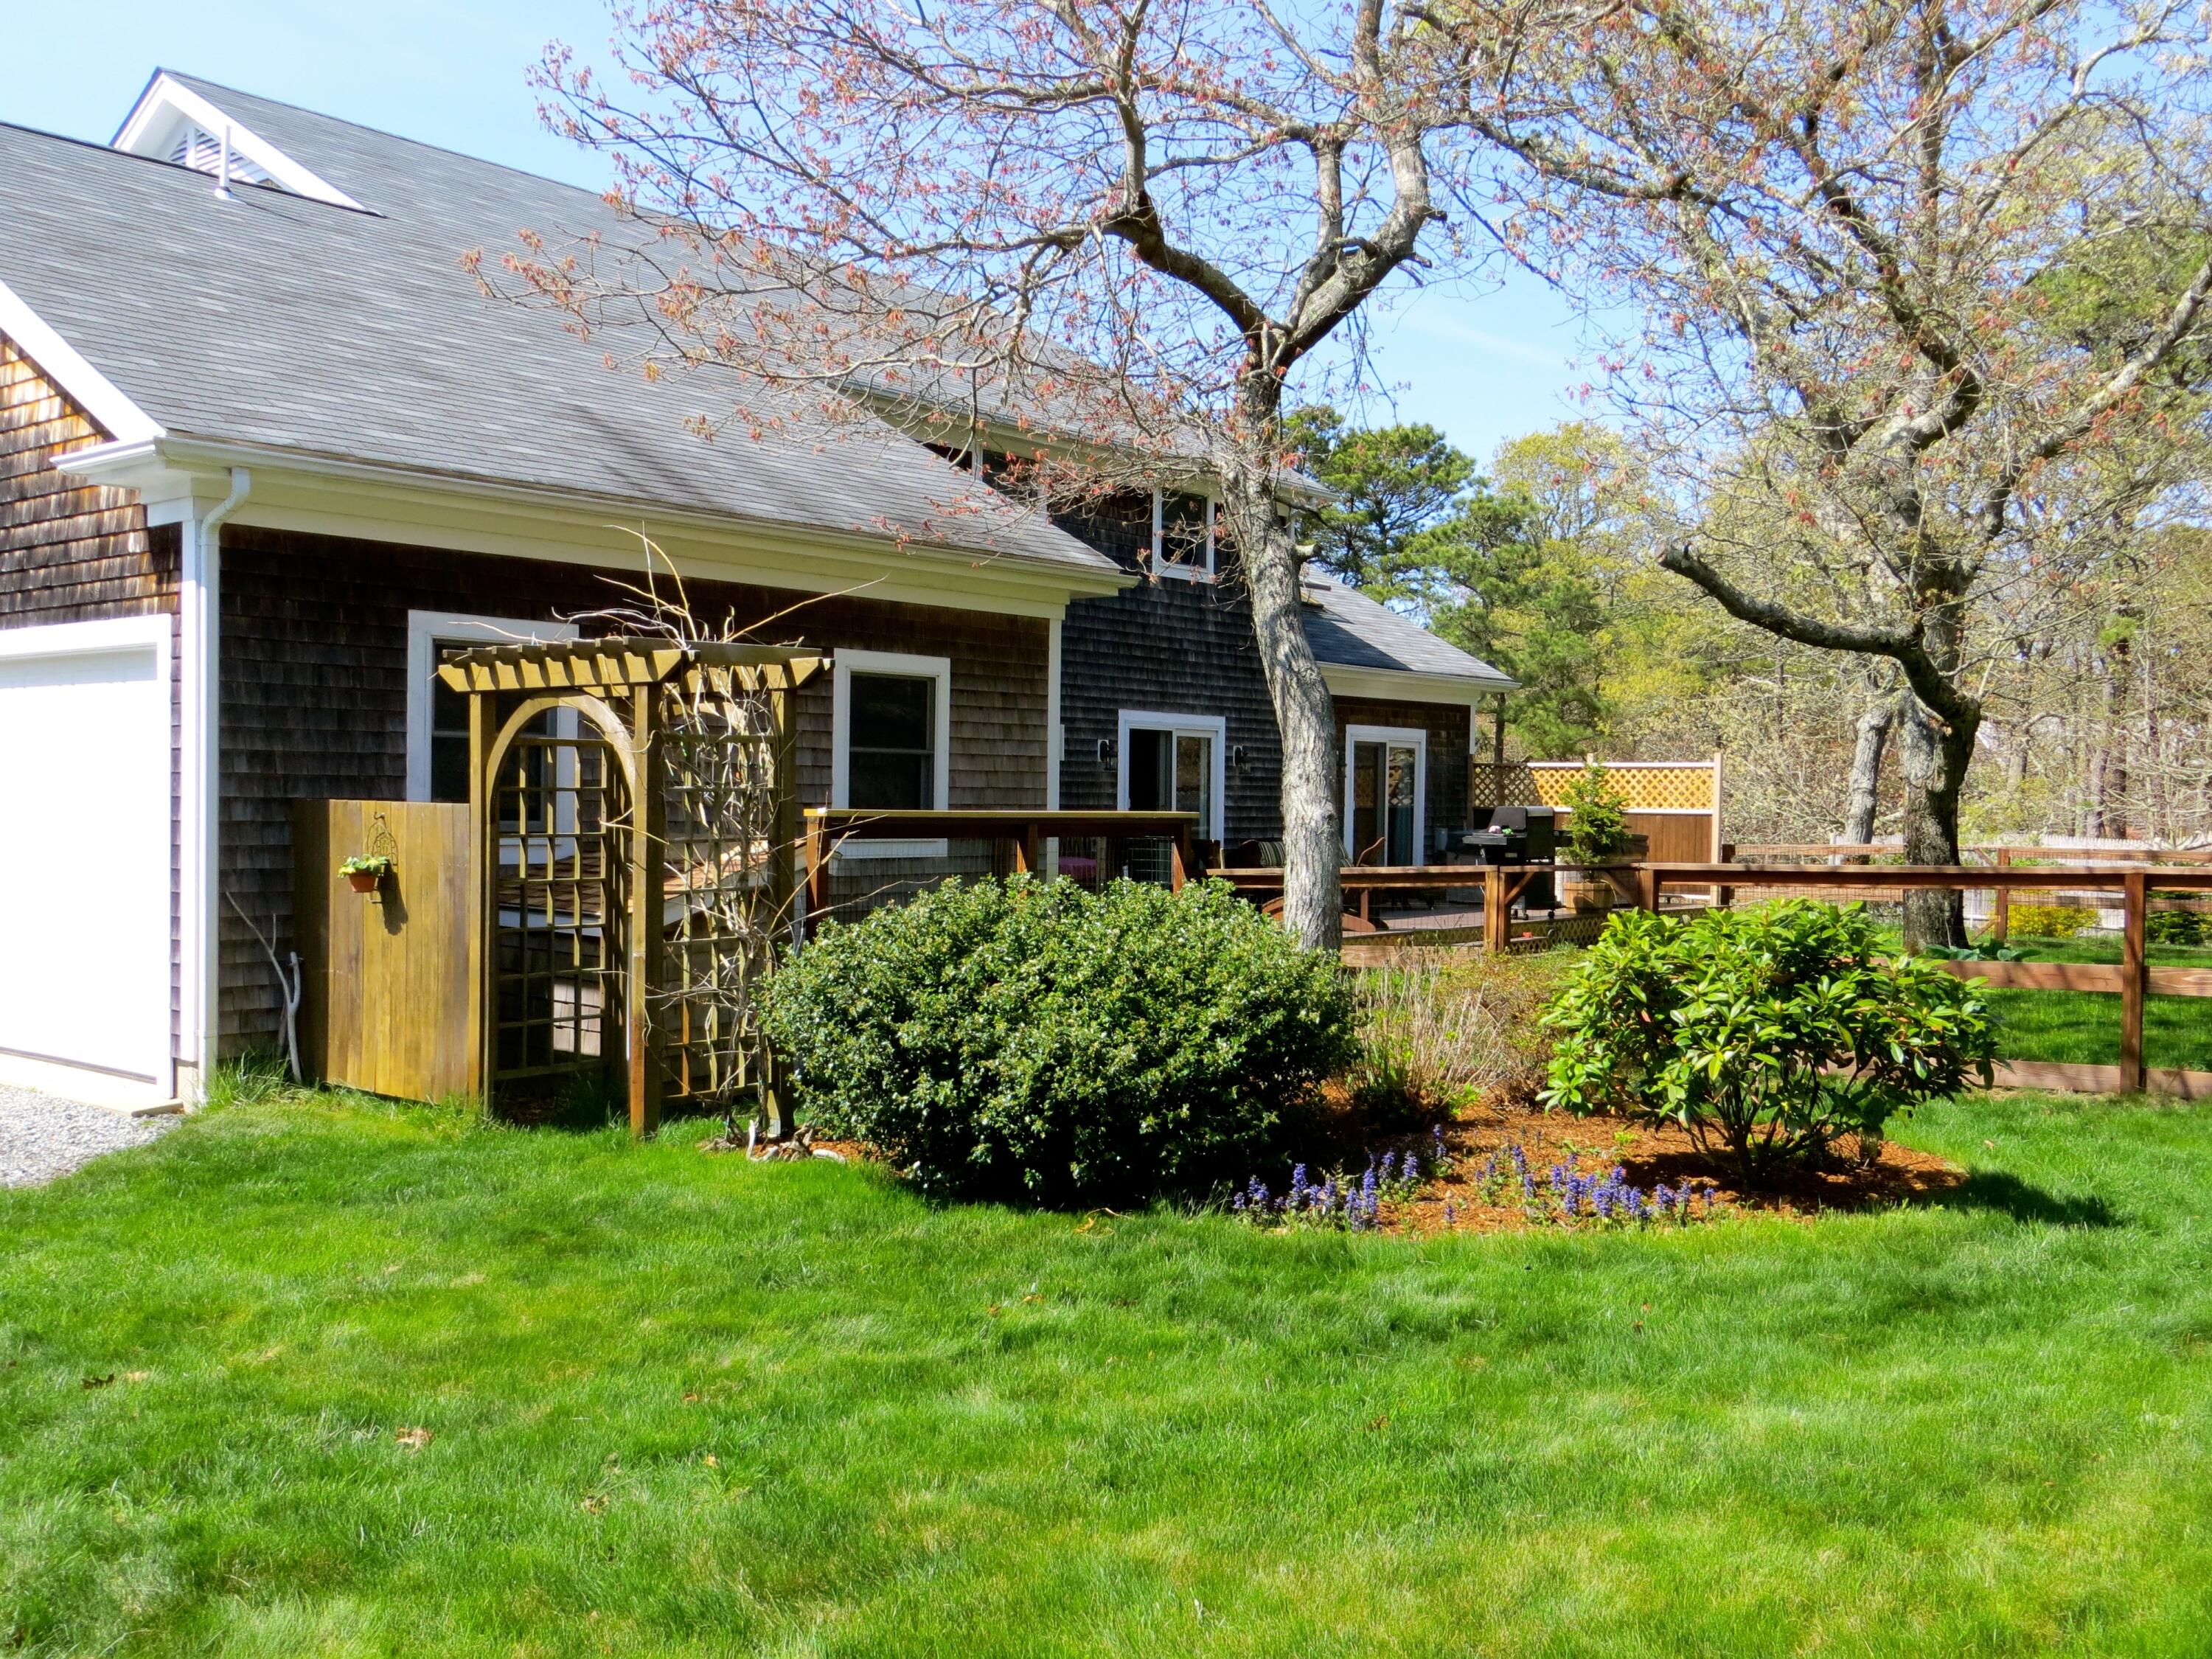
(1020, 838)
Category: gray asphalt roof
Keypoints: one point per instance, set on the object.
(270, 319)
(1345, 626)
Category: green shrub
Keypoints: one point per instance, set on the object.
(1597, 820)
(1034, 1041)
(2051, 920)
(2174, 926)
(1769, 1033)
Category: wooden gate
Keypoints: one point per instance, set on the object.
(387, 1005)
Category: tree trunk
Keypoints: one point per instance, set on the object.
(1935, 757)
(1305, 715)
(1874, 721)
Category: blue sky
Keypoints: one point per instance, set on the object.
(1483, 366)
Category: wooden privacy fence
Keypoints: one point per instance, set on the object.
(1675, 805)
(388, 1004)
(2132, 979)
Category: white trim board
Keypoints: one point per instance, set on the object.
(424, 629)
(1401, 736)
(322, 496)
(939, 669)
(110, 409)
(168, 105)
(1213, 726)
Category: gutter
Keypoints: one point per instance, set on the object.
(199, 807)
(126, 465)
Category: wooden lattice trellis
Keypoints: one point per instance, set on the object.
(1649, 785)
(635, 809)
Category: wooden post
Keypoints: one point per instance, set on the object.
(648, 845)
(484, 876)
(1717, 845)
(1495, 930)
(1647, 887)
(2001, 902)
(1181, 858)
(790, 826)
(2134, 981)
(790, 895)
(1029, 851)
(817, 870)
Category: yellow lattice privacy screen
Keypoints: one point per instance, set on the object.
(1649, 786)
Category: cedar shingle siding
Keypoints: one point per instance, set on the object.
(68, 552)
(314, 668)
(1179, 647)
(1171, 646)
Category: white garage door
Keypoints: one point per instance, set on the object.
(84, 857)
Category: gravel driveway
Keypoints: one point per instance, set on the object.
(42, 1137)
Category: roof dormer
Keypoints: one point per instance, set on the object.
(173, 122)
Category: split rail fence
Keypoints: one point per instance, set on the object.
(2132, 979)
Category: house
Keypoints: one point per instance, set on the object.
(267, 451)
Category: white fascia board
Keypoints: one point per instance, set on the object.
(321, 495)
(1401, 685)
(111, 409)
(168, 103)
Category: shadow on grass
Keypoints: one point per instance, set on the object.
(2023, 1200)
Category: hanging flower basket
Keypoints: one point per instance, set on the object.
(366, 875)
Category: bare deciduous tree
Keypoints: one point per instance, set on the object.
(1853, 230)
(1132, 221)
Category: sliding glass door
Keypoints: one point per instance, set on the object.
(1384, 791)
(1172, 763)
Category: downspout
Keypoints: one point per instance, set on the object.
(199, 809)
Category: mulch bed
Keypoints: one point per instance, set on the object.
(1590, 1146)
(1595, 1145)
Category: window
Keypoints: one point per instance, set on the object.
(892, 720)
(1173, 763)
(1385, 794)
(890, 746)
(438, 717)
(1182, 533)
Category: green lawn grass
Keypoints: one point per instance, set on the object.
(684, 1405)
(2084, 1027)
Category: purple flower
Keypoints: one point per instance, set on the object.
(1451, 1214)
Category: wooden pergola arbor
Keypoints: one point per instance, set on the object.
(635, 817)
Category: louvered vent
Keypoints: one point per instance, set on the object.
(200, 149)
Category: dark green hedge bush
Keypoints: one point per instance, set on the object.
(1034, 1041)
(1768, 1034)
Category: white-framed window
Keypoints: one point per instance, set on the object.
(1386, 794)
(437, 716)
(1182, 534)
(1173, 763)
(891, 741)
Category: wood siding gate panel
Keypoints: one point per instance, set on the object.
(388, 1006)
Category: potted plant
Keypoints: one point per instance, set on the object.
(365, 872)
(1597, 834)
